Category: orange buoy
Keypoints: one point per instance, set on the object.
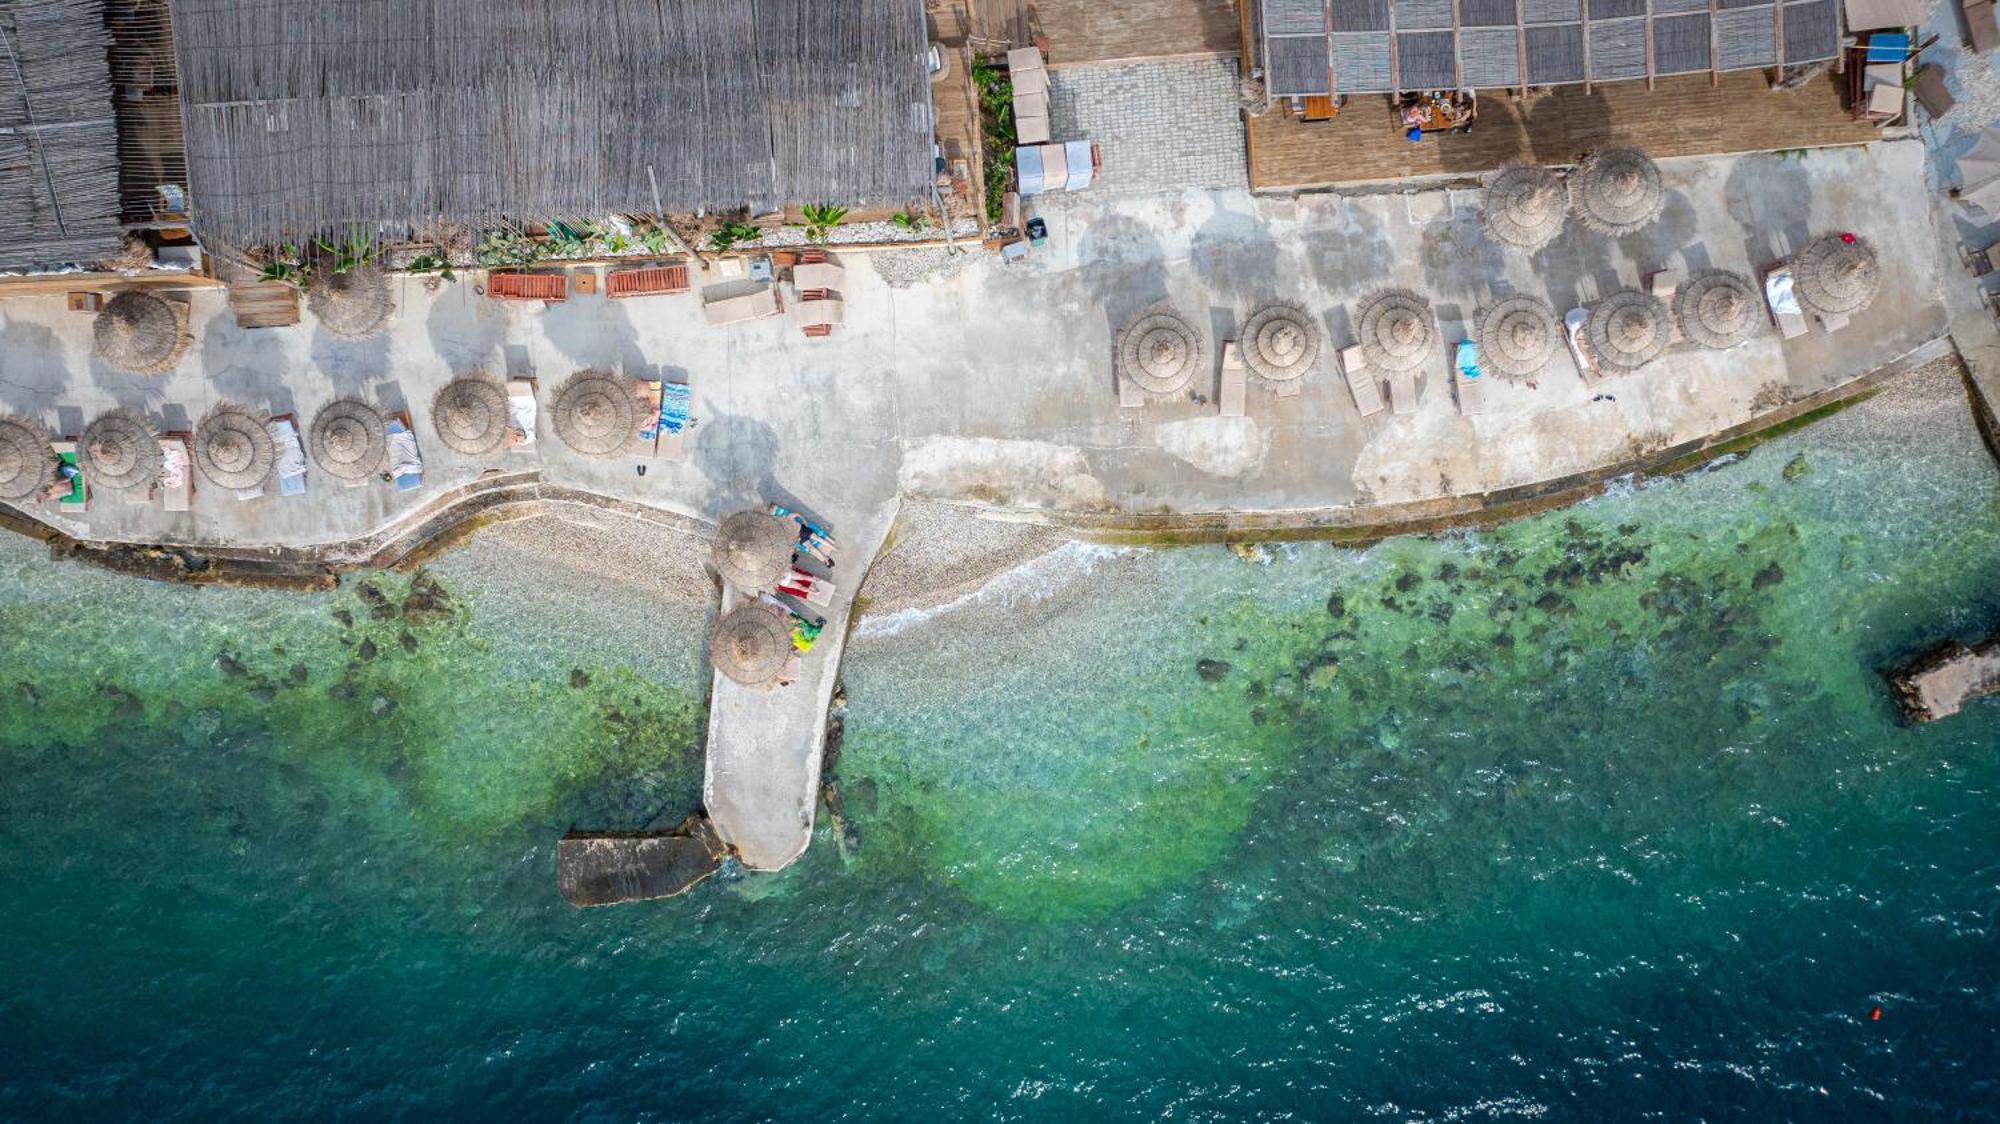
(1875, 1015)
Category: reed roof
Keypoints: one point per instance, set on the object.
(58, 138)
(308, 118)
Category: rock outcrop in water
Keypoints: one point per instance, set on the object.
(1938, 683)
(608, 867)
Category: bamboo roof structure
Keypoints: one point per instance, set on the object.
(349, 439)
(1627, 330)
(59, 199)
(1518, 336)
(355, 305)
(1525, 206)
(596, 413)
(1397, 333)
(1159, 351)
(1718, 309)
(121, 451)
(1280, 343)
(477, 112)
(233, 449)
(753, 549)
(471, 415)
(1837, 274)
(142, 332)
(1617, 191)
(27, 461)
(751, 645)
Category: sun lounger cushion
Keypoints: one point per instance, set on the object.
(522, 412)
(175, 482)
(1366, 389)
(1235, 382)
(78, 489)
(1403, 392)
(406, 464)
(291, 455)
(1784, 303)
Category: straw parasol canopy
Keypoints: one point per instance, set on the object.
(1836, 274)
(471, 415)
(27, 463)
(349, 439)
(121, 450)
(1518, 336)
(141, 332)
(1525, 207)
(1396, 330)
(233, 449)
(753, 549)
(1617, 191)
(1159, 351)
(596, 413)
(1280, 343)
(1628, 330)
(750, 645)
(353, 305)
(1717, 309)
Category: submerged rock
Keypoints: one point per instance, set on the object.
(381, 706)
(408, 642)
(1407, 581)
(344, 618)
(299, 674)
(28, 693)
(230, 665)
(579, 678)
(604, 868)
(368, 650)
(1213, 671)
(1768, 576)
(1336, 605)
(1795, 468)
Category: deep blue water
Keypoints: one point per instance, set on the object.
(1599, 815)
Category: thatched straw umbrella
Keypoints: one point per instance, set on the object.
(596, 413)
(349, 439)
(1836, 274)
(121, 450)
(1280, 343)
(1525, 206)
(471, 415)
(27, 463)
(1159, 351)
(1396, 330)
(1717, 308)
(753, 549)
(750, 645)
(233, 449)
(1617, 191)
(1518, 336)
(1627, 330)
(353, 305)
(142, 332)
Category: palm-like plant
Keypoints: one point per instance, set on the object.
(731, 233)
(350, 253)
(821, 220)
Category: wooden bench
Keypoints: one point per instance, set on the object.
(264, 304)
(646, 281)
(552, 288)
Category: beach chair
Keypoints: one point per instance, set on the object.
(1366, 389)
(763, 303)
(406, 462)
(522, 413)
(1403, 392)
(1783, 303)
(817, 311)
(77, 497)
(176, 486)
(290, 466)
(1235, 385)
(1468, 386)
(1574, 323)
(673, 421)
(649, 392)
(810, 588)
(813, 539)
(814, 271)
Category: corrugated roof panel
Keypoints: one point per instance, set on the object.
(1361, 15)
(1670, 7)
(1295, 65)
(1812, 31)
(1616, 10)
(1294, 17)
(1680, 44)
(1425, 60)
(1416, 15)
(1486, 13)
(1552, 11)
(1490, 56)
(1555, 54)
(1361, 63)
(1617, 49)
(1731, 5)
(1746, 38)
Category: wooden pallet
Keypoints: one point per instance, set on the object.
(264, 304)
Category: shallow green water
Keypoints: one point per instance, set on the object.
(1597, 814)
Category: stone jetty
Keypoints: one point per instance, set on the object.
(1938, 683)
(605, 868)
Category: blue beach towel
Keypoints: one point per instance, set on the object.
(1468, 359)
(674, 398)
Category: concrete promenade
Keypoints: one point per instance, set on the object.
(995, 387)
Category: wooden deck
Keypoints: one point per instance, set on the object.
(1683, 117)
(1090, 31)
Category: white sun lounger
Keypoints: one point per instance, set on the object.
(1471, 394)
(1579, 348)
(1366, 389)
(522, 413)
(291, 455)
(176, 472)
(1403, 392)
(1784, 304)
(1235, 387)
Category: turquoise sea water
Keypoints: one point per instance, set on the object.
(1598, 815)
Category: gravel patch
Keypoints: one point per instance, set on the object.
(941, 552)
(904, 268)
